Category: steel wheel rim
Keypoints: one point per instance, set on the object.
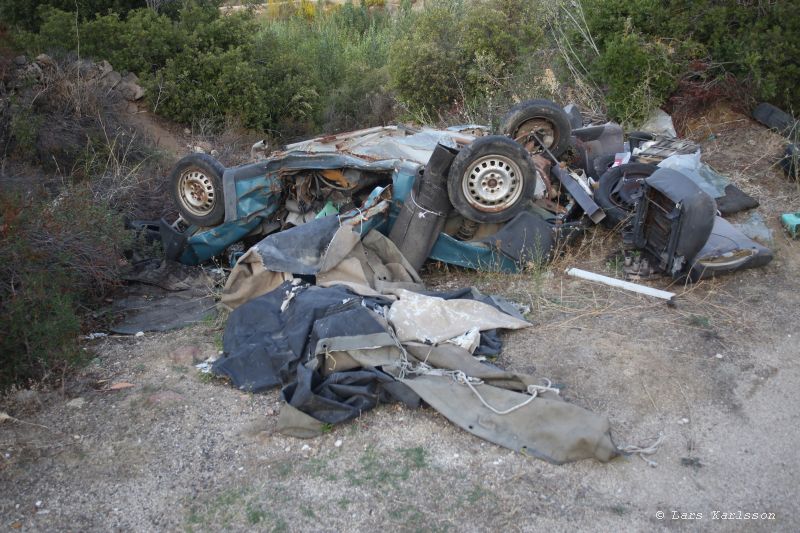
(196, 192)
(543, 129)
(492, 183)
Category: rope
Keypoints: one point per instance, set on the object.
(424, 211)
(641, 451)
(533, 390)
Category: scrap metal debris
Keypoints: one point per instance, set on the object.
(327, 303)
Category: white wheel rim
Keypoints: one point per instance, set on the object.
(492, 183)
(196, 192)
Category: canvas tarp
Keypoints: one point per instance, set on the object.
(336, 354)
(326, 248)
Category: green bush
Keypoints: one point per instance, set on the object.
(759, 43)
(141, 43)
(57, 255)
(639, 74)
(455, 52)
(27, 14)
(427, 64)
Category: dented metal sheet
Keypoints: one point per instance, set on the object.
(385, 143)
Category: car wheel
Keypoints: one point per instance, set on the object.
(543, 118)
(619, 191)
(491, 179)
(196, 189)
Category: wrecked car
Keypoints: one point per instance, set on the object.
(465, 197)
(487, 182)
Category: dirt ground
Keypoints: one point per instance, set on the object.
(717, 375)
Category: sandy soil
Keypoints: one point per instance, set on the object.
(717, 376)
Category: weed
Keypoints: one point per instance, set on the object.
(377, 469)
(476, 494)
(343, 502)
(619, 510)
(417, 457)
(700, 321)
(282, 470)
(615, 265)
(205, 377)
(255, 515)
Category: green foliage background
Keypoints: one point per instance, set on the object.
(646, 45)
(298, 70)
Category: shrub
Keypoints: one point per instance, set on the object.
(639, 75)
(427, 63)
(758, 42)
(56, 255)
(141, 43)
(28, 15)
(454, 52)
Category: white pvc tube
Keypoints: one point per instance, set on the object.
(627, 285)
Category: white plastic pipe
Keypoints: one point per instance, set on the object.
(627, 285)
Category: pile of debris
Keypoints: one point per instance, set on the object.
(328, 305)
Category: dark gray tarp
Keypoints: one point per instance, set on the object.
(162, 295)
(265, 339)
(336, 355)
(735, 200)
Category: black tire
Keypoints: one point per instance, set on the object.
(620, 206)
(491, 180)
(544, 117)
(790, 162)
(195, 185)
(775, 118)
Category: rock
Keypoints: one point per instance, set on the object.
(130, 77)
(31, 73)
(132, 108)
(214, 153)
(139, 334)
(130, 91)
(187, 131)
(111, 79)
(27, 398)
(85, 67)
(338, 443)
(20, 61)
(45, 61)
(105, 68)
(76, 403)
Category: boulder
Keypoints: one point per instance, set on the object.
(111, 79)
(105, 68)
(130, 91)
